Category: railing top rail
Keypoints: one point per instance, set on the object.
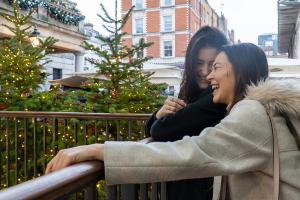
(57, 184)
(80, 115)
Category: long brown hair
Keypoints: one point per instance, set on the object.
(204, 38)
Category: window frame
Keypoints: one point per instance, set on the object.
(170, 48)
(140, 28)
(170, 25)
(141, 3)
(56, 73)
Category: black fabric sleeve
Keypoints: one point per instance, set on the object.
(149, 124)
(190, 120)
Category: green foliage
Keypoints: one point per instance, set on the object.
(21, 64)
(127, 88)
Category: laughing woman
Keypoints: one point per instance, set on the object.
(240, 147)
(193, 111)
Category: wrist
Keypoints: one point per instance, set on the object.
(97, 151)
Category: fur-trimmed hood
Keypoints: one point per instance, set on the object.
(283, 96)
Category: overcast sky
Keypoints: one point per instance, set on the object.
(248, 18)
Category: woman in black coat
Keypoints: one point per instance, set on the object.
(193, 110)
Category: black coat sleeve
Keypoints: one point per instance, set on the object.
(190, 120)
(149, 124)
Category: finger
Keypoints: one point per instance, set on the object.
(58, 159)
(175, 105)
(171, 109)
(180, 102)
(49, 167)
(64, 159)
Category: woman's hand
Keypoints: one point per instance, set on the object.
(171, 106)
(74, 155)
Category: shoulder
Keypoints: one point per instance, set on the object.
(248, 105)
(249, 111)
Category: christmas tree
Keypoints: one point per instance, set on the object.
(126, 87)
(21, 63)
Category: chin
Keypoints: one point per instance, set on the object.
(203, 86)
(215, 100)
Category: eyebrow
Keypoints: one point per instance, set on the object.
(216, 63)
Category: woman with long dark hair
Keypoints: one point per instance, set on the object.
(243, 147)
(193, 110)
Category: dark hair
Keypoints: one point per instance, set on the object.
(249, 64)
(203, 38)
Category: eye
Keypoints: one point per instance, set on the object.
(210, 66)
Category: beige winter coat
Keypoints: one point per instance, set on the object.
(240, 146)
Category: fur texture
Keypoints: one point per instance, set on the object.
(282, 96)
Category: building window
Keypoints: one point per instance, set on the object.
(168, 49)
(167, 2)
(57, 73)
(171, 90)
(167, 23)
(140, 54)
(139, 26)
(138, 4)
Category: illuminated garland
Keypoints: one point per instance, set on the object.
(62, 15)
(27, 4)
(61, 12)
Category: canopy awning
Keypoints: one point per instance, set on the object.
(72, 81)
(287, 18)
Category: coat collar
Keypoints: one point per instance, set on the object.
(282, 96)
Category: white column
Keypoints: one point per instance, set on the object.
(79, 61)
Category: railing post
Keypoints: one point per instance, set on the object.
(163, 191)
(154, 191)
(7, 153)
(90, 192)
(128, 192)
(112, 192)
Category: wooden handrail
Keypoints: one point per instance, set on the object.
(80, 115)
(57, 184)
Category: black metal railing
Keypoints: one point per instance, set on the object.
(28, 140)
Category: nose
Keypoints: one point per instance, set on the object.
(209, 77)
(205, 70)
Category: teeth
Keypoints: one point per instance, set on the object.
(215, 87)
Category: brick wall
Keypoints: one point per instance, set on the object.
(181, 42)
(181, 19)
(126, 5)
(153, 21)
(128, 26)
(177, 2)
(154, 50)
(153, 3)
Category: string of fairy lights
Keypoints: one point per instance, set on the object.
(55, 8)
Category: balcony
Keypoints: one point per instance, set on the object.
(70, 35)
(29, 139)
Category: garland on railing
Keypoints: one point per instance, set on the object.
(27, 4)
(62, 14)
(56, 9)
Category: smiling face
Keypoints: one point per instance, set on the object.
(222, 80)
(206, 57)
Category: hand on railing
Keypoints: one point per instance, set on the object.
(74, 155)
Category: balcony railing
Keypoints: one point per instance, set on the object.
(60, 184)
(28, 136)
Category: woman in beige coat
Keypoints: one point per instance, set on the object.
(239, 147)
